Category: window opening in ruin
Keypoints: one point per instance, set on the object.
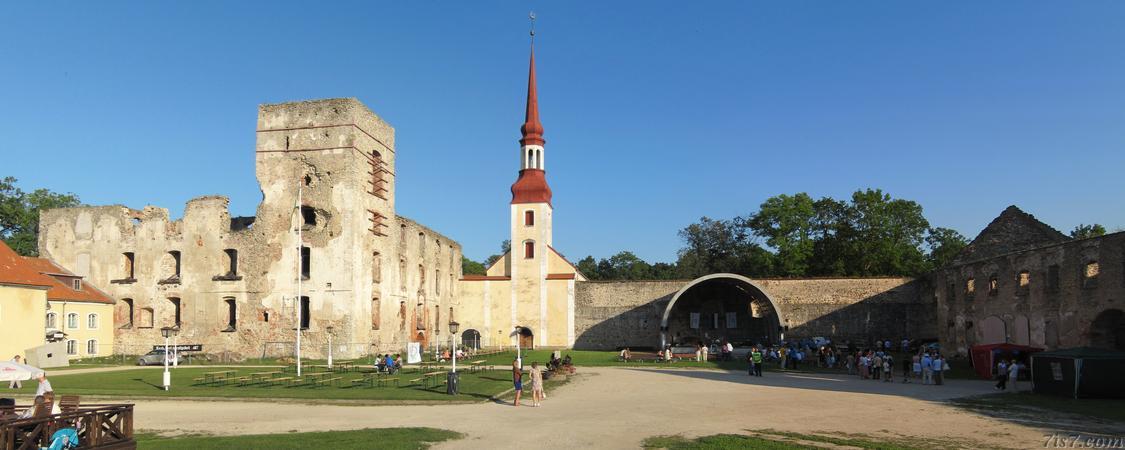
(1090, 274)
(419, 316)
(129, 268)
(376, 267)
(147, 318)
(232, 313)
(437, 319)
(308, 179)
(76, 284)
(176, 259)
(451, 314)
(970, 286)
(402, 273)
(305, 319)
(437, 281)
(91, 347)
(232, 262)
(52, 320)
(993, 285)
(175, 311)
(378, 169)
(308, 216)
(421, 279)
(265, 316)
(1024, 279)
(92, 321)
(306, 262)
(72, 321)
(127, 311)
(1053, 278)
(421, 245)
(529, 218)
(375, 313)
(529, 249)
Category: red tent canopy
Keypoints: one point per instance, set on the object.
(983, 356)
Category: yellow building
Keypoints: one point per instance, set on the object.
(526, 296)
(41, 302)
(77, 312)
(23, 303)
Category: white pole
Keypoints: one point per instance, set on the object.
(167, 376)
(298, 299)
(519, 354)
(175, 351)
(329, 350)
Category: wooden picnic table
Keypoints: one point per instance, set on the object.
(262, 376)
(476, 366)
(215, 377)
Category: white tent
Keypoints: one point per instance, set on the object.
(10, 371)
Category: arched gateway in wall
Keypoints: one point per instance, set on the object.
(722, 306)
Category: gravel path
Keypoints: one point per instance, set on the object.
(620, 407)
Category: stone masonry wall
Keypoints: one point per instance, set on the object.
(628, 313)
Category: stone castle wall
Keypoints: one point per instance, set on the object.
(628, 313)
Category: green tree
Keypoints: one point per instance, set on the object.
(1083, 231)
(470, 267)
(19, 214)
(589, 267)
(713, 246)
(505, 247)
(945, 244)
(787, 223)
(889, 235)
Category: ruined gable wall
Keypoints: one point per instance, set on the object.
(1040, 313)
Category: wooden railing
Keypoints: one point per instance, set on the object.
(98, 426)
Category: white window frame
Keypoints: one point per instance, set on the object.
(71, 347)
(73, 325)
(93, 342)
(92, 321)
(76, 284)
(52, 319)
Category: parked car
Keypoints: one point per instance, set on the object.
(156, 357)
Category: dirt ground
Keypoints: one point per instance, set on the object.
(620, 407)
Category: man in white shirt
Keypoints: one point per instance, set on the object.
(1013, 376)
(44, 385)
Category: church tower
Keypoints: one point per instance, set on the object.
(531, 196)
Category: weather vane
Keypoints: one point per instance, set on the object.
(531, 16)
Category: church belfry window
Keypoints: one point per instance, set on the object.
(529, 249)
(529, 218)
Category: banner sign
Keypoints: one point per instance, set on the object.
(182, 348)
(413, 352)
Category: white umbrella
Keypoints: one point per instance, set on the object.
(12, 371)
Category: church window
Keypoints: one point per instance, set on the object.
(529, 218)
(529, 249)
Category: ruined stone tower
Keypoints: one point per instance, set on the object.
(372, 279)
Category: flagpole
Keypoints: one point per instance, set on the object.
(299, 262)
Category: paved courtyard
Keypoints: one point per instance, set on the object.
(620, 407)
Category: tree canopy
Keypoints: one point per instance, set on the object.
(19, 214)
(1083, 231)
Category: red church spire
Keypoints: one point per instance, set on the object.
(532, 129)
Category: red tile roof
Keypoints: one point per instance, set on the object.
(15, 270)
(62, 287)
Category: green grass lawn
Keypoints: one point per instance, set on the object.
(147, 383)
(772, 439)
(382, 438)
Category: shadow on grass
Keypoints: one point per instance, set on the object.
(143, 381)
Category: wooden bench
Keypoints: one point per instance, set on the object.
(326, 381)
(416, 380)
(280, 380)
(69, 403)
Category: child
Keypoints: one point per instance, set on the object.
(888, 372)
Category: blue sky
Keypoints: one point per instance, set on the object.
(656, 113)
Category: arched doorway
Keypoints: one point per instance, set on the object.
(993, 330)
(722, 306)
(1108, 330)
(471, 339)
(526, 337)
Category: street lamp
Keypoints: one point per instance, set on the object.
(329, 329)
(451, 383)
(167, 332)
